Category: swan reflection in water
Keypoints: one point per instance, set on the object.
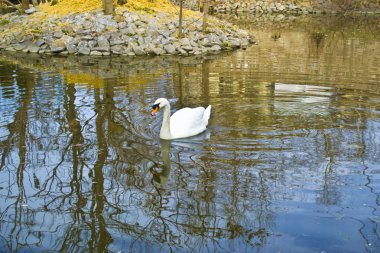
(160, 175)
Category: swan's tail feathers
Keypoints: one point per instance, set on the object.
(206, 114)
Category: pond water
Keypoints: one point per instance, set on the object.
(290, 161)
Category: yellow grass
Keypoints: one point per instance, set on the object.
(65, 7)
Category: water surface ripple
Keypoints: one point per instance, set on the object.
(290, 161)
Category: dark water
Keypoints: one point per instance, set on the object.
(290, 162)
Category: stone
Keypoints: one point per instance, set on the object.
(197, 52)
(148, 40)
(96, 53)
(244, 43)
(39, 42)
(140, 31)
(184, 42)
(83, 48)
(141, 41)
(119, 18)
(87, 37)
(130, 30)
(214, 39)
(118, 49)
(159, 51)
(103, 42)
(223, 38)
(31, 10)
(99, 28)
(68, 29)
(170, 49)
(20, 46)
(187, 48)
(70, 44)
(87, 25)
(33, 49)
(137, 50)
(205, 42)
(215, 48)
(78, 29)
(233, 42)
(165, 41)
(58, 46)
(182, 51)
(122, 25)
(101, 49)
(281, 7)
(58, 34)
(92, 43)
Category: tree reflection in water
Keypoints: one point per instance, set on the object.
(287, 154)
(82, 177)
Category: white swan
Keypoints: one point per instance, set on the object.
(183, 123)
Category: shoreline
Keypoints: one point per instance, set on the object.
(286, 7)
(127, 33)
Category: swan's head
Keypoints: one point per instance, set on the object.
(161, 102)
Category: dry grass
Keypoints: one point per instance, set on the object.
(65, 7)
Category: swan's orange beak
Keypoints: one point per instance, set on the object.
(155, 108)
(154, 111)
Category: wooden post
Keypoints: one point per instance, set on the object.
(108, 7)
(180, 35)
(205, 14)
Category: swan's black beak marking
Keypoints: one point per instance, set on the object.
(155, 109)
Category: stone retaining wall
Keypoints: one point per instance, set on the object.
(260, 6)
(127, 33)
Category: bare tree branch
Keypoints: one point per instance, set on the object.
(9, 3)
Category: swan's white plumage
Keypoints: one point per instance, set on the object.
(183, 123)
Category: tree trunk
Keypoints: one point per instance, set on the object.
(121, 2)
(108, 7)
(35, 3)
(180, 35)
(24, 6)
(205, 14)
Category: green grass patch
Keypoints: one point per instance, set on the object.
(4, 22)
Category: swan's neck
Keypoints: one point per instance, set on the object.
(165, 128)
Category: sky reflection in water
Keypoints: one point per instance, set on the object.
(289, 163)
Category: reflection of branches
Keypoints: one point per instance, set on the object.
(118, 158)
(70, 241)
(53, 176)
(19, 126)
(6, 144)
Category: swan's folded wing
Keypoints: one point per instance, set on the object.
(187, 122)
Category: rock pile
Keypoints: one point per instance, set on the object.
(128, 33)
(261, 6)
